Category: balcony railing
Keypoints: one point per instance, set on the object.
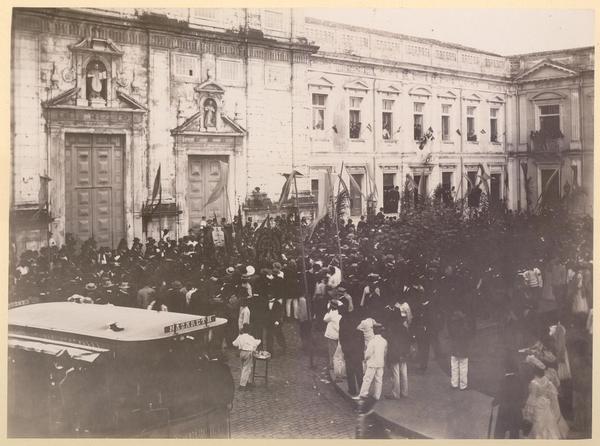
(540, 142)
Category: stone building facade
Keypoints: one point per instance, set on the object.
(101, 99)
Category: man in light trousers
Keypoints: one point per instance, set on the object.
(459, 350)
(396, 333)
(247, 345)
(375, 359)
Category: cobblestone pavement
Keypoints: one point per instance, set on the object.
(298, 402)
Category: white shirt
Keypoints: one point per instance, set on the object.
(188, 295)
(376, 351)
(244, 317)
(333, 325)
(246, 342)
(366, 326)
(335, 279)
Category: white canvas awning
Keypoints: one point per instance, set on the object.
(51, 349)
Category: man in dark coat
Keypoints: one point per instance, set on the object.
(422, 327)
(396, 333)
(176, 302)
(353, 346)
(394, 196)
(510, 398)
(273, 324)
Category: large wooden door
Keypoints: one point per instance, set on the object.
(204, 174)
(94, 187)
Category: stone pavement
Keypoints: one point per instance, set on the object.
(298, 402)
(433, 409)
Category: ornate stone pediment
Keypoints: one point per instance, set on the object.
(195, 126)
(389, 90)
(96, 70)
(546, 69)
(420, 92)
(448, 95)
(95, 45)
(210, 87)
(68, 99)
(320, 83)
(357, 85)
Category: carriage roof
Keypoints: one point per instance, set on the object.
(93, 320)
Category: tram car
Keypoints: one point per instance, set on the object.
(101, 371)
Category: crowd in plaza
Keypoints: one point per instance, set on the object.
(378, 295)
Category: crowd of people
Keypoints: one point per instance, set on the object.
(376, 308)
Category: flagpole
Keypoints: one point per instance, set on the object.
(544, 190)
(307, 297)
(336, 223)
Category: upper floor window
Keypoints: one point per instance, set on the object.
(386, 118)
(471, 134)
(550, 121)
(419, 108)
(185, 66)
(273, 20)
(446, 122)
(493, 124)
(355, 123)
(205, 13)
(318, 111)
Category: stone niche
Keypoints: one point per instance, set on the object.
(97, 70)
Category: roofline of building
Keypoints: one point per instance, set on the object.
(549, 52)
(171, 25)
(313, 20)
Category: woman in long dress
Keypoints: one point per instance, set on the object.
(579, 302)
(541, 408)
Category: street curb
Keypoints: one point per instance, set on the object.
(389, 424)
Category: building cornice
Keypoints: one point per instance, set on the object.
(167, 33)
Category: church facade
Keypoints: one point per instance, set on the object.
(125, 121)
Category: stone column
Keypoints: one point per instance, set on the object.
(56, 187)
(133, 215)
(575, 130)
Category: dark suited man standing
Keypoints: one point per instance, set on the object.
(422, 328)
(273, 324)
(394, 199)
(353, 347)
(510, 399)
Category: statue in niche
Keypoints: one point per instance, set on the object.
(96, 82)
(210, 113)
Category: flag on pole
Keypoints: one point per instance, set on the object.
(524, 169)
(410, 183)
(371, 176)
(156, 191)
(469, 180)
(484, 179)
(221, 185)
(43, 193)
(547, 185)
(325, 197)
(287, 187)
(343, 195)
(354, 185)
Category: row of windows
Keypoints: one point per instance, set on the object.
(423, 188)
(272, 19)
(319, 107)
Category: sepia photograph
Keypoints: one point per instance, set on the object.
(300, 223)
